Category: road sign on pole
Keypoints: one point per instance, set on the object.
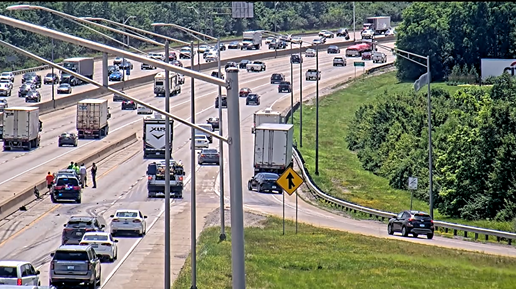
(359, 63)
(289, 181)
(412, 183)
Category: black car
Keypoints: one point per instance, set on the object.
(25, 88)
(333, 49)
(66, 188)
(215, 73)
(277, 78)
(343, 32)
(78, 225)
(128, 104)
(34, 81)
(67, 138)
(277, 44)
(285, 86)
(214, 121)
(264, 182)
(30, 75)
(295, 58)
(211, 156)
(224, 101)
(33, 96)
(126, 64)
(412, 222)
(221, 46)
(231, 64)
(243, 64)
(118, 97)
(234, 45)
(253, 98)
(112, 68)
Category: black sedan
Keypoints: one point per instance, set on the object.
(243, 64)
(25, 88)
(214, 121)
(211, 156)
(224, 101)
(126, 64)
(333, 49)
(64, 88)
(128, 104)
(33, 96)
(215, 73)
(264, 182)
(252, 98)
(412, 222)
(67, 138)
(234, 45)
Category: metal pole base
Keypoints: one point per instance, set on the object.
(193, 287)
(222, 237)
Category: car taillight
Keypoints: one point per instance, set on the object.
(90, 230)
(411, 219)
(432, 221)
(76, 188)
(19, 282)
(106, 244)
(59, 187)
(137, 221)
(149, 177)
(203, 155)
(116, 220)
(181, 178)
(51, 266)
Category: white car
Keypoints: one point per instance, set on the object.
(8, 75)
(5, 89)
(128, 221)
(103, 244)
(18, 273)
(156, 56)
(367, 34)
(201, 141)
(310, 53)
(203, 48)
(141, 109)
(7, 81)
(211, 57)
(297, 40)
(268, 40)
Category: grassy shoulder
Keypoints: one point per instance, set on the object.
(341, 173)
(323, 258)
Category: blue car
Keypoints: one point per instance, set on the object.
(115, 76)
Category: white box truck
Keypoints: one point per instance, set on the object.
(159, 83)
(92, 118)
(251, 40)
(378, 24)
(266, 116)
(154, 136)
(21, 128)
(273, 147)
(82, 65)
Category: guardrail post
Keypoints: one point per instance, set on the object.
(487, 237)
(105, 80)
(454, 232)
(465, 234)
(509, 241)
(476, 236)
(446, 230)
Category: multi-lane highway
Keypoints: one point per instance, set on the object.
(34, 234)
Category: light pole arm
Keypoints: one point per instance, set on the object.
(185, 29)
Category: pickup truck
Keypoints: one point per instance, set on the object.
(312, 74)
(255, 66)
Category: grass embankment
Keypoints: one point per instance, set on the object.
(341, 173)
(323, 258)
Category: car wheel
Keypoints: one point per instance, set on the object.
(404, 232)
(249, 187)
(389, 230)
(52, 198)
(414, 235)
(78, 200)
(430, 236)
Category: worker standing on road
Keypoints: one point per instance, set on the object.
(82, 171)
(70, 167)
(50, 181)
(94, 175)
(76, 168)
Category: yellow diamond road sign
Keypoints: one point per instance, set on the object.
(290, 181)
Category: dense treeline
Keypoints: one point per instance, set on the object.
(455, 33)
(474, 146)
(213, 19)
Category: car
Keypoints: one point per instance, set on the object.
(286, 38)
(296, 58)
(326, 34)
(185, 53)
(7, 82)
(297, 40)
(5, 89)
(284, 86)
(222, 47)
(312, 74)
(367, 55)
(155, 55)
(25, 88)
(146, 66)
(8, 75)
(390, 32)
(231, 64)
(128, 104)
(214, 121)
(211, 156)
(211, 57)
(277, 78)
(33, 81)
(379, 57)
(318, 41)
(30, 75)
(112, 68)
(264, 182)
(51, 78)
(128, 221)
(277, 44)
(19, 273)
(172, 56)
(177, 63)
(339, 61)
(126, 64)
(367, 34)
(342, 32)
(68, 138)
(77, 226)
(102, 243)
(142, 109)
(269, 40)
(202, 48)
(333, 49)
(64, 88)
(310, 53)
(116, 76)
(224, 101)
(72, 265)
(66, 188)
(201, 141)
(215, 73)
(117, 61)
(256, 66)
(253, 98)
(412, 222)
(33, 96)
(244, 91)
(243, 64)
(118, 97)
(234, 45)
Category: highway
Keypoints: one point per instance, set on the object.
(32, 235)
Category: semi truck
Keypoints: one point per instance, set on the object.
(92, 118)
(80, 65)
(273, 147)
(159, 83)
(251, 40)
(21, 128)
(266, 116)
(378, 24)
(154, 136)
(156, 179)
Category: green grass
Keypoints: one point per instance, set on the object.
(341, 173)
(323, 258)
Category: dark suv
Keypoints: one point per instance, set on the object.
(66, 188)
(77, 226)
(224, 102)
(29, 75)
(412, 222)
(72, 265)
(295, 58)
(277, 78)
(285, 86)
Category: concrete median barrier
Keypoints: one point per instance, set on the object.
(26, 195)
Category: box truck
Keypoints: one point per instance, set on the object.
(21, 128)
(266, 116)
(92, 118)
(378, 24)
(159, 83)
(154, 136)
(251, 40)
(273, 147)
(81, 65)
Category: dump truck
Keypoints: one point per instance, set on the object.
(92, 118)
(378, 24)
(156, 179)
(266, 116)
(251, 40)
(154, 136)
(21, 128)
(273, 147)
(159, 83)
(80, 65)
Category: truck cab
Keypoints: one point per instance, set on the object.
(156, 179)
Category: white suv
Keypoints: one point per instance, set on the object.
(18, 273)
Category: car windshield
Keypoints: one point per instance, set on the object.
(422, 216)
(67, 181)
(338, 58)
(48, 74)
(71, 256)
(270, 177)
(8, 272)
(251, 96)
(79, 224)
(200, 137)
(127, 214)
(65, 134)
(285, 82)
(95, 238)
(277, 76)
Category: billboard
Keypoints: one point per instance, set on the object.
(495, 67)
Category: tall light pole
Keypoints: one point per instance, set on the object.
(198, 40)
(354, 28)
(123, 59)
(53, 78)
(292, 88)
(317, 110)
(300, 95)
(167, 171)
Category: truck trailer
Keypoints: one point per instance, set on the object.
(154, 136)
(80, 65)
(159, 83)
(266, 116)
(21, 128)
(273, 147)
(378, 24)
(251, 40)
(92, 118)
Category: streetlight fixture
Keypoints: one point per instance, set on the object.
(129, 68)
(317, 110)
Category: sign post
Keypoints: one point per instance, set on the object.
(289, 181)
(358, 63)
(412, 185)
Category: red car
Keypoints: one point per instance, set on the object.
(128, 104)
(172, 56)
(245, 91)
(367, 55)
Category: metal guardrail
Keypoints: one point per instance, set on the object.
(348, 206)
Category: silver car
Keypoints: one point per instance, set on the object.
(208, 156)
(128, 221)
(18, 273)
